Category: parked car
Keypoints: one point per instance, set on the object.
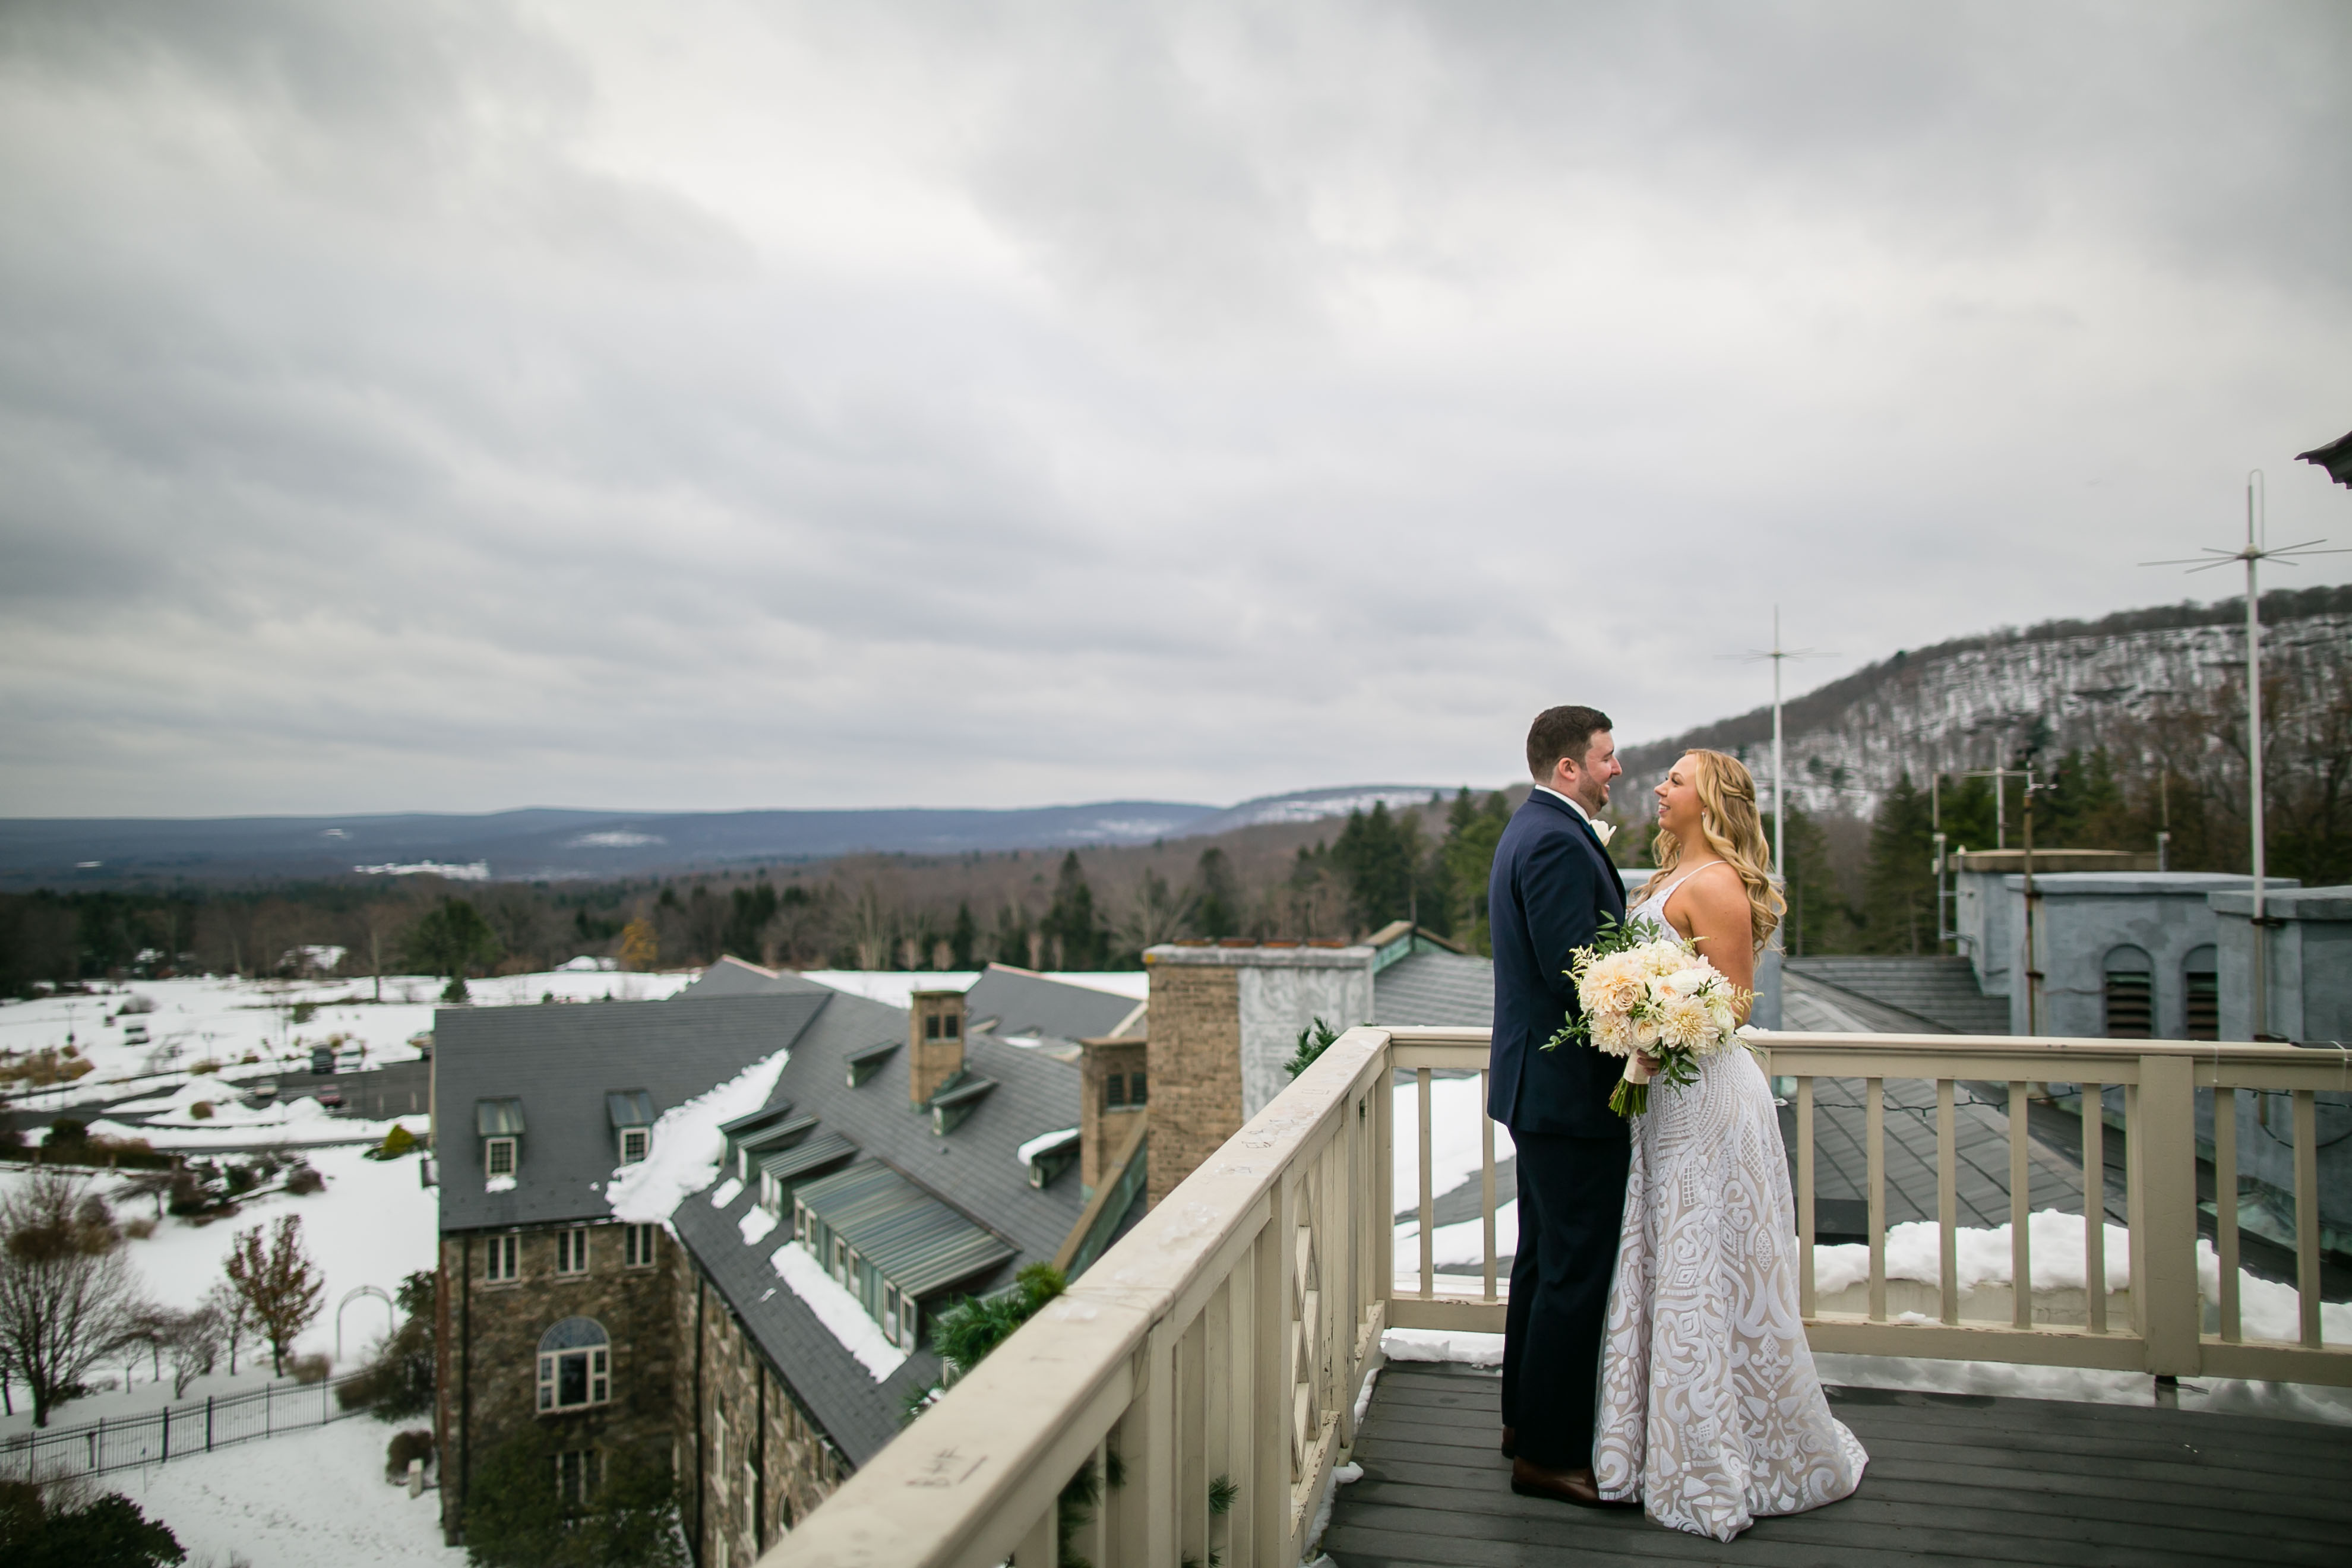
(331, 1098)
(322, 1060)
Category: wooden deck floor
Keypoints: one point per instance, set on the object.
(1952, 1478)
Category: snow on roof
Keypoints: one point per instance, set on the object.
(688, 1144)
(1044, 1142)
(843, 1315)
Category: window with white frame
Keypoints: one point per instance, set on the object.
(501, 1256)
(637, 1245)
(634, 1143)
(571, 1250)
(575, 1365)
(498, 1156)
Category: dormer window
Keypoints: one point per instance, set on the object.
(632, 1114)
(499, 1124)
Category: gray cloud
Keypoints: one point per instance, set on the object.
(464, 406)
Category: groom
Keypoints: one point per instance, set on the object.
(1551, 886)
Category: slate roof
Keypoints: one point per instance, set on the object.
(1008, 1002)
(731, 977)
(561, 1061)
(971, 1170)
(1436, 989)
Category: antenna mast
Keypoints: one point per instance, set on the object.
(1780, 656)
(2256, 550)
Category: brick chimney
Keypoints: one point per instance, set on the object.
(1113, 1093)
(1224, 1020)
(934, 1042)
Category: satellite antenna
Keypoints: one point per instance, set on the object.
(2255, 550)
(1780, 656)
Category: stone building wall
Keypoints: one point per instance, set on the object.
(488, 1346)
(750, 1462)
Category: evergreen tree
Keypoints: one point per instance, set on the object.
(749, 911)
(1217, 895)
(519, 1516)
(963, 937)
(1011, 939)
(452, 941)
(1818, 920)
(1070, 922)
(1899, 879)
(1379, 854)
(1472, 832)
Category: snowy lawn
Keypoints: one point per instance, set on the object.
(372, 1225)
(208, 1018)
(297, 1501)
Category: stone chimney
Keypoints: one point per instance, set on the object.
(1223, 1019)
(934, 1042)
(1115, 1088)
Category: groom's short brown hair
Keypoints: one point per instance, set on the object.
(1562, 732)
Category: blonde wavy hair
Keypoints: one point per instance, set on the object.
(1728, 819)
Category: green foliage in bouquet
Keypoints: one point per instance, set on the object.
(1614, 936)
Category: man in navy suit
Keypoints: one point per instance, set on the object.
(1552, 885)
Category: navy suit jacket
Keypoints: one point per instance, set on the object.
(1551, 885)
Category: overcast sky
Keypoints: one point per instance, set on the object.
(451, 405)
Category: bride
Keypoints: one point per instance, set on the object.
(1711, 1411)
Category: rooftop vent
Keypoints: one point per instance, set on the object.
(865, 1063)
(957, 1100)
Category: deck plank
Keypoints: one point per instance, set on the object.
(1952, 1478)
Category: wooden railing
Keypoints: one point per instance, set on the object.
(2165, 1334)
(1212, 1361)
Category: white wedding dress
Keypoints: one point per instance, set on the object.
(1711, 1410)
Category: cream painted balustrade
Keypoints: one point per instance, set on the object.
(2161, 1081)
(1215, 1354)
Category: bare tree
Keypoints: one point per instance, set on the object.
(1152, 912)
(65, 1296)
(281, 1286)
(233, 1313)
(192, 1342)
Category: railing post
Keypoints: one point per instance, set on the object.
(2306, 1212)
(2020, 1213)
(2093, 1098)
(2225, 1206)
(208, 1423)
(1874, 1102)
(1948, 1204)
(2164, 1244)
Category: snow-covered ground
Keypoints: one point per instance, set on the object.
(375, 1225)
(245, 1026)
(297, 1501)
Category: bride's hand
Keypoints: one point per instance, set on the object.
(1649, 1063)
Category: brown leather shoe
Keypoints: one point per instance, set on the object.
(1576, 1486)
(1510, 1442)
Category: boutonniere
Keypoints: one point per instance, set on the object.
(1603, 831)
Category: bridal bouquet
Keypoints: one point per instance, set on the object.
(1645, 992)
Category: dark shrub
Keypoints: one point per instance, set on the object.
(416, 1443)
(304, 1179)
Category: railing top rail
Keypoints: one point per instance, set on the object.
(1023, 1420)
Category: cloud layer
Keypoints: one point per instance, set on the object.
(456, 406)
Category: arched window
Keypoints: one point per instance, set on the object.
(2201, 981)
(2131, 994)
(576, 1367)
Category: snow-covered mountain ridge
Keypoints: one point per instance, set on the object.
(1970, 703)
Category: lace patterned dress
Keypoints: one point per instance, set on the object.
(1711, 1410)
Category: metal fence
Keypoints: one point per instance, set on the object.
(175, 1431)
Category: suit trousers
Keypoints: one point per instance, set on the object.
(1572, 1213)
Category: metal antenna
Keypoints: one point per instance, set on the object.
(1780, 656)
(2256, 550)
